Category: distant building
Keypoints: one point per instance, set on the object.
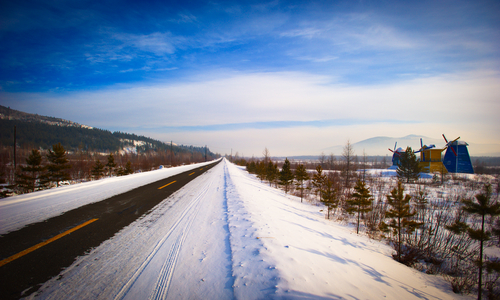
(396, 154)
(457, 159)
(431, 160)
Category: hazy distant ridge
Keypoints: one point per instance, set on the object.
(380, 145)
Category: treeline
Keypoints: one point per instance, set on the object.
(33, 169)
(39, 135)
(36, 135)
(445, 233)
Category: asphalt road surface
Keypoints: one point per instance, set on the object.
(36, 253)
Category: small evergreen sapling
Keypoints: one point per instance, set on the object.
(261, 170)
(329, 195)
(318, 180)
(408, 167)
(110, 165)
(29, 178)
(400, 215)
(360, 202)
(482, 207)
(286, 175)
(125, 171)
(58, 164)
(128, 168)
(301, 175)
(98, 169)
(272, 172)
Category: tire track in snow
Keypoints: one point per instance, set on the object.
(181, 227)
(161, 287)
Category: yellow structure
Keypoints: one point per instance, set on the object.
(431, 161)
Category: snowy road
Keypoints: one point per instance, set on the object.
(187, 233)
(36, 253)
(232, 237)
(198, 237)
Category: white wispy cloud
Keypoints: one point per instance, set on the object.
(307, 32)
(185, 17)
(460, 103)
(125, 47)
(158, 43)
(318, 59)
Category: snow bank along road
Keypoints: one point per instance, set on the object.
(226, 235)
(38, 252)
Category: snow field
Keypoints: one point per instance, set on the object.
(316, 258)
(226, 235)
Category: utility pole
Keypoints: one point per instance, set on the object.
(205, 152)
(171, 153)
(15, 142)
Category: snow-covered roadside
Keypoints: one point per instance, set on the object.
(226, 235)
(19, 211)
(316, 258)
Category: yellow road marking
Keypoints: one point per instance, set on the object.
(191, 174)
(201, 169)
(22, 253)
(167, 184)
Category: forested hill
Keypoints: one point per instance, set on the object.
(34, 131)
(6, 113)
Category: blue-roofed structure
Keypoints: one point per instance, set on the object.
(396, 154)
(457, 159)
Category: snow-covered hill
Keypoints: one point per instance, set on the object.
(226, 235)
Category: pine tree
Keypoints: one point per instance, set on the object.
(120, 171)
(29, 178)
(111, 164)
(408, 167)
(272, 172)
(482, 207)
(98, 169)
(328, 195)
(286, 175)
(251, 167)
(58, 163)
(400, 214)
(261, 170)
(301, 175)
(360, 201)
(128, 168)
(318, 180)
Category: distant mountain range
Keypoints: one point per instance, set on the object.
(380, 145)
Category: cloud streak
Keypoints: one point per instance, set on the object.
(275, 125)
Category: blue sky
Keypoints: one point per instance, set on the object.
(296, 77)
